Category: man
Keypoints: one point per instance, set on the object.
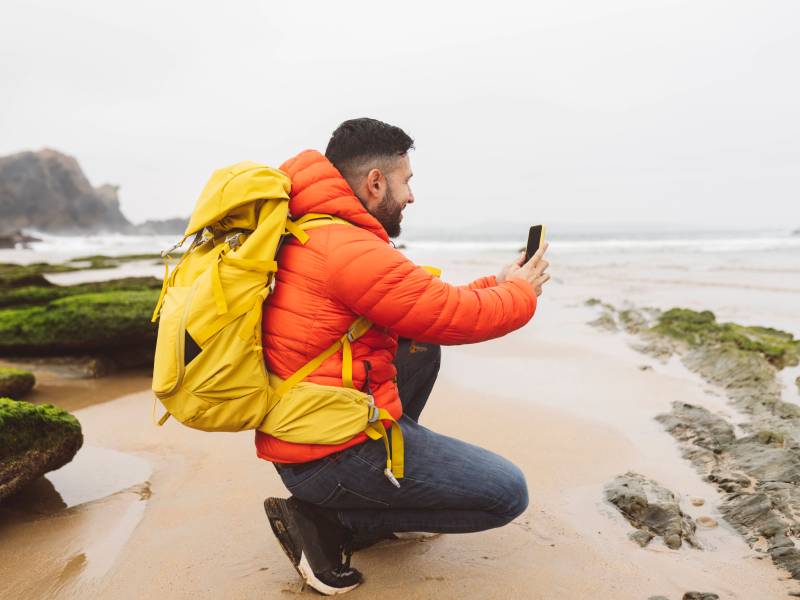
(340, 494)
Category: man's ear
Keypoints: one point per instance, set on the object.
(376, 183)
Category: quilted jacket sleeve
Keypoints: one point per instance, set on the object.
(377, 281)
(482, 283)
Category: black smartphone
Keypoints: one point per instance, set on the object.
(535, 240)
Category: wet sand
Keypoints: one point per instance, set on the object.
(569, 404)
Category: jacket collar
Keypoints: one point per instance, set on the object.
(318, 187)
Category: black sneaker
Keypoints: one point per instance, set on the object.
(314, 543)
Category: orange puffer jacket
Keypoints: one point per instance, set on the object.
(346, 271)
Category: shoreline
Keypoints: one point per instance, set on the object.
(205, 493)
(572, 406)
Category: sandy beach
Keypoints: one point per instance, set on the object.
(145, 512)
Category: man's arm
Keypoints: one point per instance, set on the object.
(482, 283)
(377, 281)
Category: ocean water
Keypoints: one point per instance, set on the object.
(749, 276)
(55, 248)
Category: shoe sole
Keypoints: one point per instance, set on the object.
(280, 520)
(416, 536)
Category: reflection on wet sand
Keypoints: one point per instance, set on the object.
(80, 548)
(65, 388)
(67, 553)
(96, 473)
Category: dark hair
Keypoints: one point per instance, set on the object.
(364, 143)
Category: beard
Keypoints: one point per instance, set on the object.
(389, 214)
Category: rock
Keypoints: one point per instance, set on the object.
(14, 275)
(700, 596)
(605, 321)
(707, 522)
(748, 378)
(15, 383)
(641, 537)
(115, 323)
(645, 368)
(766, 462)
(652, 508)
(701, 329)
(12, 239)
(655, 347)
(104, 325)
(33, 295)
(34, 439)
(632, 320)
(760, 471)
(767, 514)
(47, 191)
(727, 480)
(698, 426)
(175, 226)
(657, 598)
(697, 501)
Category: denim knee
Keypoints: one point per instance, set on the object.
(514, 494)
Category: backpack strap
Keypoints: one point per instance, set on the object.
(359, 327)
(167, 276)
(395, 452)
(395, 463)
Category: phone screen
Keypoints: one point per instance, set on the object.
(535, 239)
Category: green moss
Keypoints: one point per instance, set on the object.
(700, 328)
(35, 294)
(123, 258)
(101, 261)
(80, 323)
(770, 438)
(15, 383)
(24, 426)
(632, 320)
(14, 275)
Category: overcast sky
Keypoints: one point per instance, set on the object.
(569, 111)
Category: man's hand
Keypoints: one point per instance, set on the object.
(533, 271)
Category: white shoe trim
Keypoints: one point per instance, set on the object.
(418, 536)
(307, 573)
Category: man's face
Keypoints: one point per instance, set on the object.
(389, 209)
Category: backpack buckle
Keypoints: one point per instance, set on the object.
(374, 411)
(390, 476)
(234, 240)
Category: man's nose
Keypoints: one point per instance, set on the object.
(410, 198)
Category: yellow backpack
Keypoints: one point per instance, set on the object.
(209, 370)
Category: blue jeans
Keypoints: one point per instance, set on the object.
(449, 486)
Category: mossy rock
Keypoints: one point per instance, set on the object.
(110, 321)
(42, 294)
(102, 261)
(14, 275)
(34, 439)
(695, 328)
(15, 383)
